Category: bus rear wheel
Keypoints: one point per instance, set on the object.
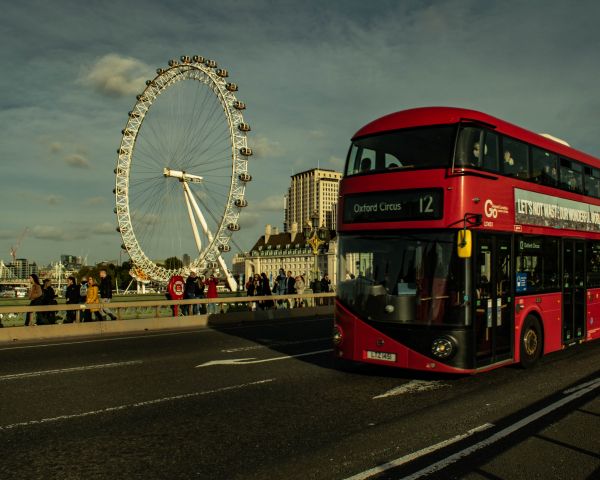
(531, 342)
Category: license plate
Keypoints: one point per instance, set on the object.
(385, 356)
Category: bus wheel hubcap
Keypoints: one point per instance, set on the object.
(530, 342)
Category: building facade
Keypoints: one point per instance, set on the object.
(292, 252)
(310, 192)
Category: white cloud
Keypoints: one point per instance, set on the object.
(115, 75)
(53, 199)
(249, 219)
(55, 147)
(105, 228)
(48, 232)
(265, 148)
(76, 160)
(273, 203)
(94, 201)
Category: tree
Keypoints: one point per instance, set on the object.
(173, 263)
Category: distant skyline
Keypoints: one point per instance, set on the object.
(311, 73)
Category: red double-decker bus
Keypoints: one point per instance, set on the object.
(465, 243)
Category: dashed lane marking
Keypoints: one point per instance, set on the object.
(16, 376)
(419, 453)
(135, 405)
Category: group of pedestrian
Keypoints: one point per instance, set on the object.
(40, 294)
(200, 287)
(95, 295)
(284, 284)
(259, 286)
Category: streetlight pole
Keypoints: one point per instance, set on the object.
(315, 242)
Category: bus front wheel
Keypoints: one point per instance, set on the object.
(531, 341)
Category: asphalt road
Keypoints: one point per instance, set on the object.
(267, 402)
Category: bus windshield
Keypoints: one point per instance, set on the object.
(412, 278)
(415, 148)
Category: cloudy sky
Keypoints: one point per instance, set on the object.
(311, 73)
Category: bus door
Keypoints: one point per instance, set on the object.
(493, 301)
(574, 294)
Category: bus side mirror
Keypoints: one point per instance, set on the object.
(464, 243)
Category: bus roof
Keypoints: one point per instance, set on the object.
(419, 117)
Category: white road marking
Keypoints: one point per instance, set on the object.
(40, 373)
(412, 387)
(577, 392)
(247, 361)
(268, 344)
(134, 405)
(419, 453)
(583, 385)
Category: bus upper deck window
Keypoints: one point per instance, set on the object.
(468, 147)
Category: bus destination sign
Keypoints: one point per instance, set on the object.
(393, 206)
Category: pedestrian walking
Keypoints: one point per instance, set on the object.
(251, 290)
(35, 297)
(279, 288)
(299, 285)
(106, 294)
(189, 292)
(325, 288)
(83, 289)
(92, 300)
(73, 298)
(290, 286)
(266, 291)
(211, 292)
(48, 298)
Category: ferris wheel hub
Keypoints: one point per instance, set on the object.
(182, 176)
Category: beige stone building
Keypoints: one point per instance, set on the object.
(290, 251)
(310, 192)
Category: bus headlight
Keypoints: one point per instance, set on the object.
(338, 335)
(443, 347)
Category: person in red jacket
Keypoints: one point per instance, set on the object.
(211, 292)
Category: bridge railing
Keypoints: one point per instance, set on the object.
(14, 316)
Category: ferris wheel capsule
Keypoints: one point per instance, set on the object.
(232, 87)
(245, 177)
(246, 151)
(234, 227)
(244, 127)
(210, 63)
(239, 105)
(224, 248)
(198, 59)
(221, 72)
(173, 63)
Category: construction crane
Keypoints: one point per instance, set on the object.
(15, 247)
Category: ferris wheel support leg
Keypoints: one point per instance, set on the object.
(230, 280)
(192, 220)
(198, 212)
